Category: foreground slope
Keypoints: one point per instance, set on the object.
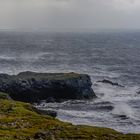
(19, 121)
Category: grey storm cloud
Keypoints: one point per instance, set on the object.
(70, 14)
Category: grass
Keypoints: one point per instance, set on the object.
(18, 121)
(49, 76)
(4, 95)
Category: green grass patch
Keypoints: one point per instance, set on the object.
(18, 121)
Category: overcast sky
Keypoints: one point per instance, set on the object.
(69, 14)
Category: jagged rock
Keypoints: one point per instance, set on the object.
(42, 135)
(123, 117)
(34, 87)
(107, 106)
(110, 82)
(45, 112)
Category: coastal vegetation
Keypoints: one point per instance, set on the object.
(22, 121)
(19, 121)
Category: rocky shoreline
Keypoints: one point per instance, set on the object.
(22, 121)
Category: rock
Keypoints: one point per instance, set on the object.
(105, 106)
(45, 112)
(40, 135)
(49, 112)
(123, 117)
(34, 87)
(4, 96)
(110, 82)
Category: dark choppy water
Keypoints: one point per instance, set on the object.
(113, 56)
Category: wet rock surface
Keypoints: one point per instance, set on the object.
(34, 87)
(45, 112)
(110, 82)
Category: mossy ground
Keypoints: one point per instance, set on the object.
(49, 76)
(4, 95)
(18, 121)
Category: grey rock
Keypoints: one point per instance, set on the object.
(110, 82)
(34, 87)
(45, 112)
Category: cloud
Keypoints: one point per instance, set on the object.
(69, 14)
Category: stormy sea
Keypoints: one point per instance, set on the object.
(104, 56)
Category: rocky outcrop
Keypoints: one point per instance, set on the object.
(110, 82)
(45, 112)
(33, 87)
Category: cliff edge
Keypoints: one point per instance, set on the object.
(34, 87)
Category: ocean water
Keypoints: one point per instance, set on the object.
(112, 56)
